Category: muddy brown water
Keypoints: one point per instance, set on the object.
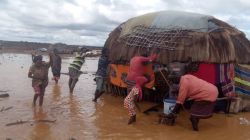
(77, 117)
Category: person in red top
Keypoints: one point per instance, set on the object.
(204, 95)
(137, 68)
(130, 102)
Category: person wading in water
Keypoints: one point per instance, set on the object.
(75, 68)
(137, 68)
(56, 62)
(39, 74)
(202, 93)
(101, 74)
(135, 95)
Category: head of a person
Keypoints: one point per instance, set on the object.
(55, 51)
(38, 59)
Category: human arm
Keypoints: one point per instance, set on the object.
(183, 91)
(149, 58)
(30, 73)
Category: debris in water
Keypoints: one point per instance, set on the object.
(244, 121)
(17, 122)
(4, 95)
(35, 121)
(4, 90)
(5, 109)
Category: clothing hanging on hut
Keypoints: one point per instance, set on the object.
(242, 80)
(242, 89)
(118, 74)
(206, 71)
(224, 78)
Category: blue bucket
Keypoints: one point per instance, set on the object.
(168, 105)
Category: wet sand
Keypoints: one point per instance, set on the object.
(77, 117)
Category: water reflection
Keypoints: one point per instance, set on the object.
(74, 106)
(41, 130)
(56, 92)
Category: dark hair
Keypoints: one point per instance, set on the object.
(55, 51)
(37, 58)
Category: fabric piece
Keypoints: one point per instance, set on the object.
(170, 20)
(207, 72)
(224, 78)
(118, 74)
(145, 20)
(242, 80)
(129, 101)
(202, 109)
(227, 87)
(225, 72)
(40, 89)
(197, 89)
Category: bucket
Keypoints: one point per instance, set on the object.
(168, 105)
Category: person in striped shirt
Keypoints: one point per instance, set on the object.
(75, 69)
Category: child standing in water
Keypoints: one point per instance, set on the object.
(133, 96)
(39, 74)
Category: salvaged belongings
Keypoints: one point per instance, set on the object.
(242, 89)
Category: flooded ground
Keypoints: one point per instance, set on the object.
(77, 117)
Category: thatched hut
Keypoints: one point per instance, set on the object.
(179, 36)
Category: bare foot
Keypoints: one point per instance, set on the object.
(132, 119)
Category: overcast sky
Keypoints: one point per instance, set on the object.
(88, 22)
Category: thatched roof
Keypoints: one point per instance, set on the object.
(178, 36)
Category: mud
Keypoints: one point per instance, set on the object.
(77, 117)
